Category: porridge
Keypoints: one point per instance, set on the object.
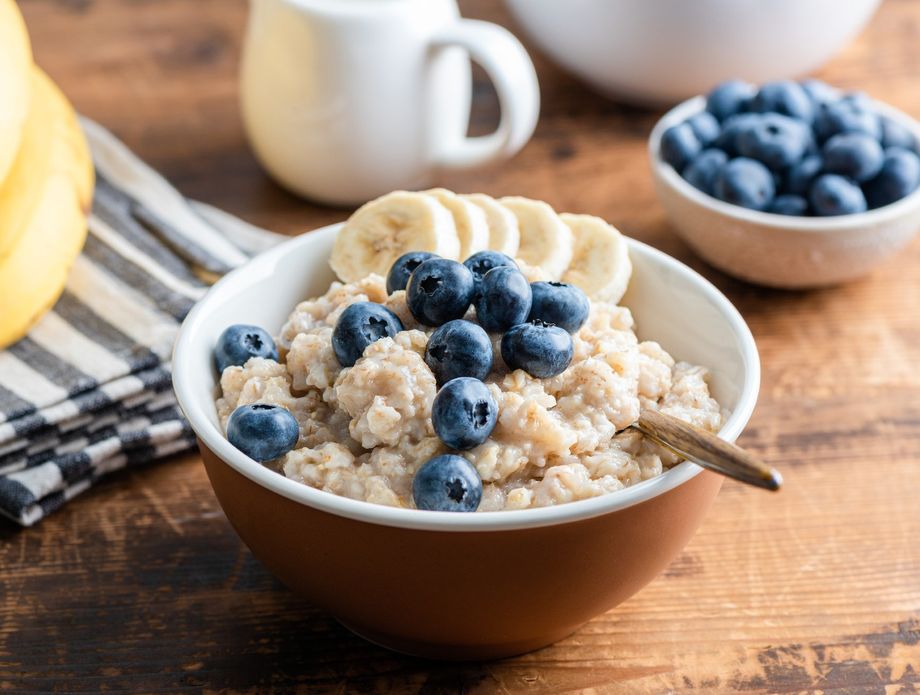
(366, 411)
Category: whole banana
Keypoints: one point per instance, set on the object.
(15, 63)
(44, 202)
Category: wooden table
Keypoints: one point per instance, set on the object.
(141, 584)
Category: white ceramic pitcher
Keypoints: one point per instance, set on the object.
(344, 100)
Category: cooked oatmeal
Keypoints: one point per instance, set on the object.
(366, 429)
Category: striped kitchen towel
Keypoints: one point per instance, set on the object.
(89, 390)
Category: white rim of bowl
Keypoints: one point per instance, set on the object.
(837, 223)
(195, 406)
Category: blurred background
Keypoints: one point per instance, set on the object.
(165, 80)
(142, 583)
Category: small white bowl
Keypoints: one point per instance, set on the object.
(780, 250)
(662, 51)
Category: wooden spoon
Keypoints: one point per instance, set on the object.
(707, 450)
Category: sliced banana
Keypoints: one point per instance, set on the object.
(470, 221)
(545, 239)
(600, 265)
(382, 230)
(503, 227)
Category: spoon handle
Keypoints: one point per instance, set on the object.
(707, 450)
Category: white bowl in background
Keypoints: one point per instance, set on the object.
(662, 51)
(780, 250)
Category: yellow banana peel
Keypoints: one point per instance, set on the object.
(15, 81)
(43, 207)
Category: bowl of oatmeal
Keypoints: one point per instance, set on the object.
(577, 512)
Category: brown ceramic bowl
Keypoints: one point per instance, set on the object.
(463, 586)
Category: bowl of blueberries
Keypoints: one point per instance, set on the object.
(792, 184)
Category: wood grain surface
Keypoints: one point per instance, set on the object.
(142, 585)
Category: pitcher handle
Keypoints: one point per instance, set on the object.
(509, 67)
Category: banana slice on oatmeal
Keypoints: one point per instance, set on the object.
(504, 236)
(546, 241)
(600, 264)
(470, 221)
(382, 230)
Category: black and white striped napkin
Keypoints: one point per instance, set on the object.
(89, 390)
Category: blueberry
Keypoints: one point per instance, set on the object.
(439, 291)
(504, 299)
(819, 92)
(800, 175)
(701, 172)
(777, 141)
(859, 99)
(459, 348)
(832, 194)
(464, 413)
(481, 263)
(447, 483)
(854, 155)
(240, 342)
(729, 98)
(896, 135)
(679, 145)
(705, 126)
(900, 176)
(745, 182)
(560, 304)
(400, 271)
(540, 349)
(846, 115)
(262, 431)
(732, 129)
(788, 204)
(361, 324)
(786, 98)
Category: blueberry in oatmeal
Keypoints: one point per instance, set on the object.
(464, 413)
(504, 299)
(540, 349)
(447, 483)
(398, 277)
(482, 262)
(238, 343)
(459, 348)
(560, 304)
(439, 291)
(262, 431)
(361, 324)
